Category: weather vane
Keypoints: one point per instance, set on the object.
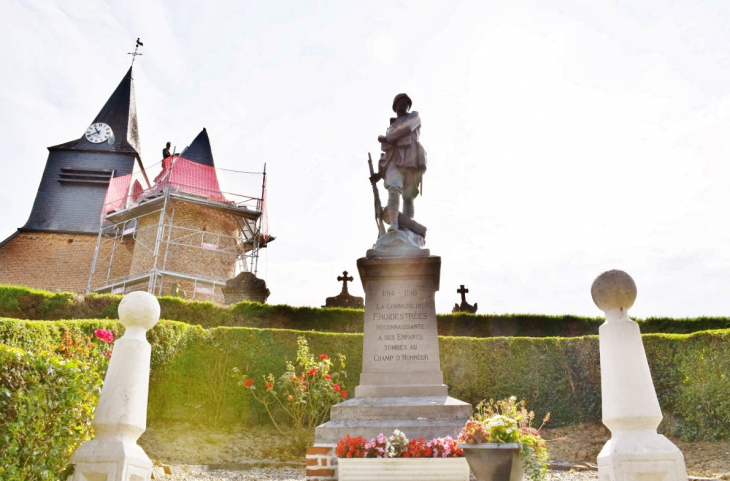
(134, 54)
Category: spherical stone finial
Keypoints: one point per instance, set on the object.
(139, 309)
(613, 289)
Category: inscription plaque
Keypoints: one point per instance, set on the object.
(400, 339)
(400, 332)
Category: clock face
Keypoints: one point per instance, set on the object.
(98, 133)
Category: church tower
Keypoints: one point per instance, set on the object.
(197, 232)
(55, 248)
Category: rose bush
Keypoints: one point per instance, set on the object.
(304, 393)
(46, 407)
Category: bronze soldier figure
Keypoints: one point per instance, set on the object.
(403, 161)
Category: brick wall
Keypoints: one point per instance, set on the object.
(54, 262)
(108, 266)
(186, 290)
(321, 463)
(145, 236)
(192, 225)
(62, 262)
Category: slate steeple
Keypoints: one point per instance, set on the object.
(119, 113)
(74, 183)
(199, 151)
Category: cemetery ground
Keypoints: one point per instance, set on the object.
(259, 452)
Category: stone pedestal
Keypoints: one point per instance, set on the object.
(635, 452)
(344, 299)
(401, 385)
(245, 287)
(121, 415)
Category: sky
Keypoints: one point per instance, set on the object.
(564, 138)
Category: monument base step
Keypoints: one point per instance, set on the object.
(427, 417)
(414, 390)
(395, 408)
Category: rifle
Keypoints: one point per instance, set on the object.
(378, 207)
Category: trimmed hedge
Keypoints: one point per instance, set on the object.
(560, 375)
(167, 337)
(194, 380)
(46, 406)
(26, 303)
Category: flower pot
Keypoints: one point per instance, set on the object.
(403, 469)
(494, 461)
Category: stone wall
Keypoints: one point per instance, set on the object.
(55, 262)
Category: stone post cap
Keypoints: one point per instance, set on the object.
(139, 309)
(612, 290)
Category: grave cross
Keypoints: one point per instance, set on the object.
(344, 278)
(463, 291)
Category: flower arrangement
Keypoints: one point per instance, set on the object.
(352, 448)
(397, 446)
(305, 392)
(507, 421)
(445, 448)
(376, 447)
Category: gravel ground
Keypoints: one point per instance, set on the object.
(195, 473)
(259, 452)
(199, 473)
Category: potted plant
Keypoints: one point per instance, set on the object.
(397, 457)
(500, 443)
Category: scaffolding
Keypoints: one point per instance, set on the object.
(185, 235)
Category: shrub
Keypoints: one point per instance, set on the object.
(305, 396)
(167, 338)
(557, 375)
(46, 406)
(191, 375)
(26, 303)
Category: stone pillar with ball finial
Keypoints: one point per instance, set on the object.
(630, 405)
(121, 415)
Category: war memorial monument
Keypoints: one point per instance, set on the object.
(401, 384)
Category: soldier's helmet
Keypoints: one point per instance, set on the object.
(401, 96)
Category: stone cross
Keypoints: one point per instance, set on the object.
(630, 405)
(463, 291)
(344, 278)
(121, 414)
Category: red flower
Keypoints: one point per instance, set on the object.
(336, 387)
(417, 448)
(351, 447)
(312, 371)
(104, 335)
(323, 357)
(327, 376)
(268, 385)
(343, 394)
(249, 382)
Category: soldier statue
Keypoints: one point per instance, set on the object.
(402, 162)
